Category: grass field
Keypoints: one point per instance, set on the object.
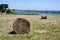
(41, 29)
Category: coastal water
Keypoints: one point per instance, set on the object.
(38, 13)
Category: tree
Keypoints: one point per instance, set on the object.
(3, 7)
(8, 11)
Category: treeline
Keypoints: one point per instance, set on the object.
(51, 11)
(40, 11)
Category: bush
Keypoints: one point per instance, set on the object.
(9, 11)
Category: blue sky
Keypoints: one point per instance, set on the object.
(32, 4)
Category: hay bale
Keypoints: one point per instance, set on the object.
(21, 26)
(44, 17)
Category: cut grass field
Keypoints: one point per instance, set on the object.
(41, 29)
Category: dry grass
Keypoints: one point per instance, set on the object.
(51, 25)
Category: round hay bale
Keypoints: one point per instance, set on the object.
(21, 26)
(44, 17)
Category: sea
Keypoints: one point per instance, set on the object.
(36, 13)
